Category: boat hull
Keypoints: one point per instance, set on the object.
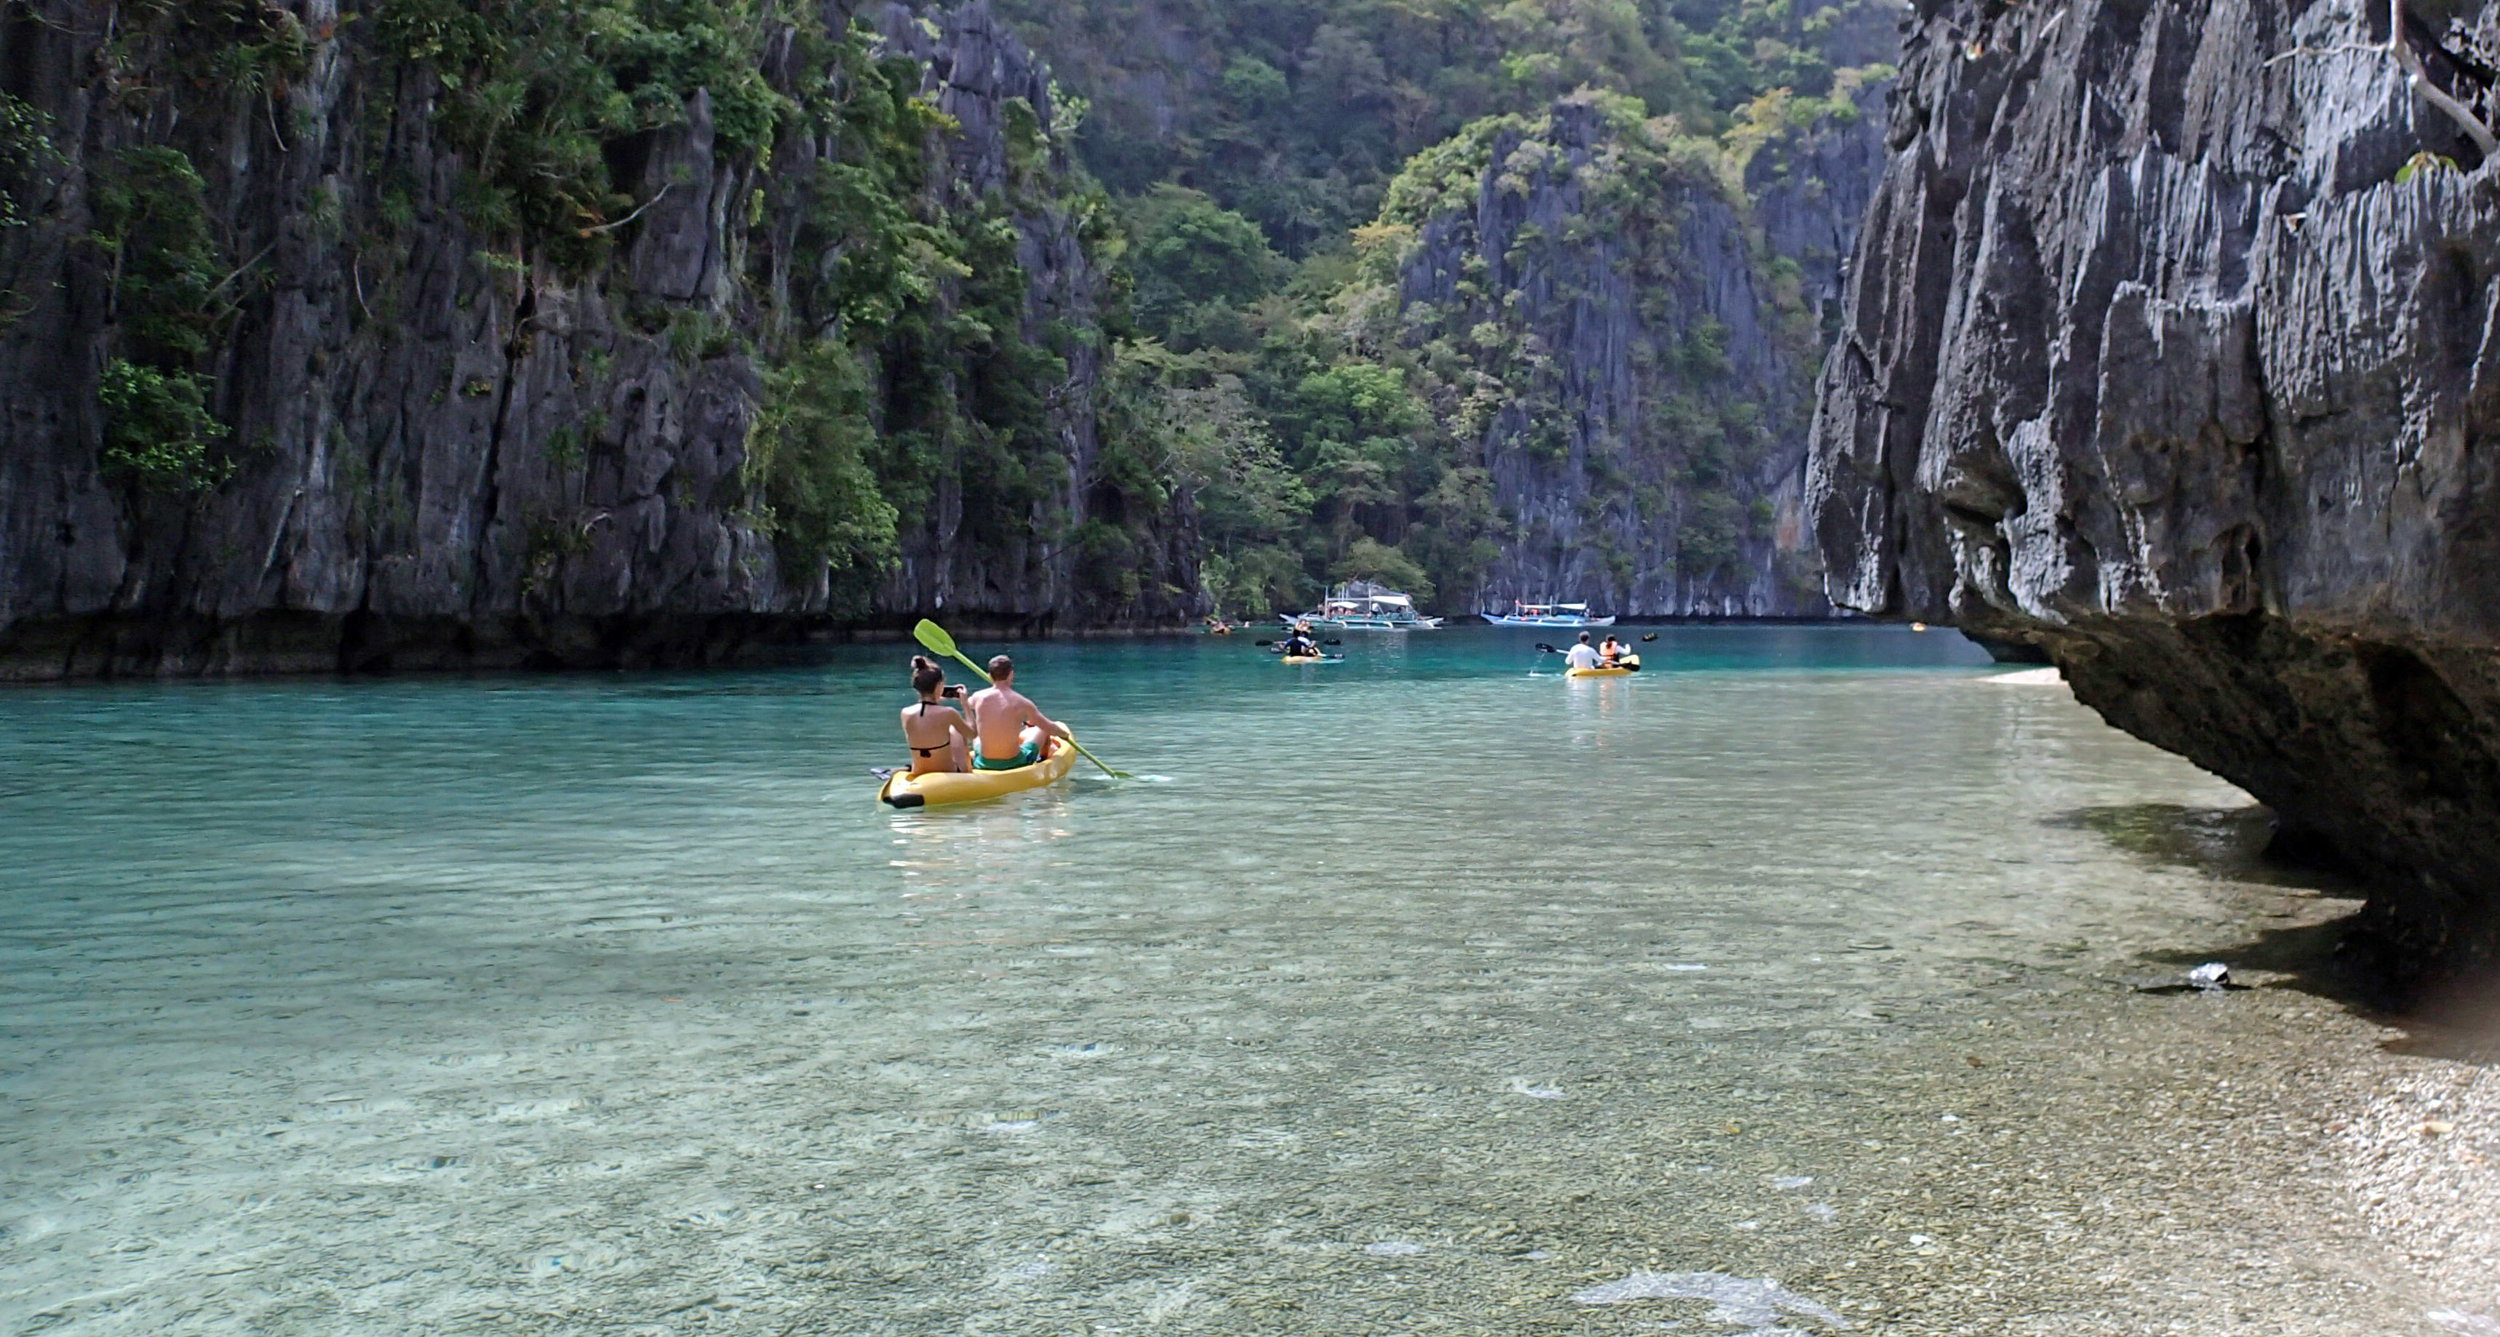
(1310, 659)
(1557, 623)
(938, 788)
(1624, 668)
(1365, 623)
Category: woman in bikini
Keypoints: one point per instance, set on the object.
(937, 738)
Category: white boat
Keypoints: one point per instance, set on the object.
(1547, 615)
(1362, 606)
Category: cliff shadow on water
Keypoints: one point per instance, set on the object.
(545, 334)
(2168, 352)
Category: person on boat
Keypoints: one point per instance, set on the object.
(1610, 650)
(1298, 642)
(1582, 655)
(937, 739)
(1011, 729)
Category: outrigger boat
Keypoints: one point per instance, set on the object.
(1363, 606)
(1547, 615)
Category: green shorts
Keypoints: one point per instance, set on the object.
(1029, 754)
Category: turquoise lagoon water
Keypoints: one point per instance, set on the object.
(1784, 987)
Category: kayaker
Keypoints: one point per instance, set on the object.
(1611, 650)
(1299, 643)
(1011, 729)
(937, 739)
(1582, 656)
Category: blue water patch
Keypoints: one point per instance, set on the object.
(432, 1002)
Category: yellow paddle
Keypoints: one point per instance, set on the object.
(934, 639)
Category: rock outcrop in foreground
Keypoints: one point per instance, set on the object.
(2174, 350)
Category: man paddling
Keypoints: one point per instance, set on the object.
(1011, 728)
(1583, 655)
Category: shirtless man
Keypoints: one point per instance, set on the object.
(1011, 728)
(937, 738)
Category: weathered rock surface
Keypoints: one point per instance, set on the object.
(2168, 351)
(1631, 345)
(448, 457)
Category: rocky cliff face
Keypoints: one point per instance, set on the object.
(413, 440)
(1630, 340)
(2173, 349)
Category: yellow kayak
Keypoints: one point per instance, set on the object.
(1309, 659)
(936, 787)
(1624, 667)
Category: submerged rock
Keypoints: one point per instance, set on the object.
(2173, 353)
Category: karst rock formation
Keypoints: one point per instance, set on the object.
(2173, 350)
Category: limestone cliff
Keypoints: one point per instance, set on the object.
(1625, 322)
(2173, 349)
(398, 432)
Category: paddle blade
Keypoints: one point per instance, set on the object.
(934, 638)
(1262, 642)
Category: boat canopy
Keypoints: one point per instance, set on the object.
(1364, 592)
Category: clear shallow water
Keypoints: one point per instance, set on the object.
(1424, 992)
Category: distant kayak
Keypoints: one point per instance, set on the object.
(936, 787)
(1310, 659)
(1622, 668)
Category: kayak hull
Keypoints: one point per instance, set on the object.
(1624, 668)
(943, 787)
(1310, 659)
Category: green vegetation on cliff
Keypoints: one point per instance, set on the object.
(1297, 113)
(1218, 323)
(1362, 414)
